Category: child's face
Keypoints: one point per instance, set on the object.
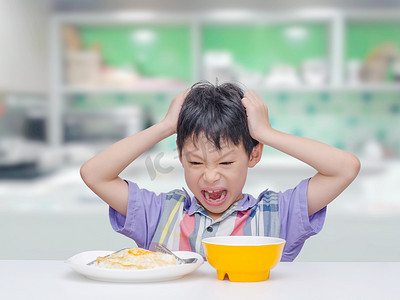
(216, 177)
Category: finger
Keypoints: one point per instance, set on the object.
(255, 96)
(184, 93)
(257, 100)
(252, 96)
(246, 105)
(246, 101)
(181, 97)
(248, 94)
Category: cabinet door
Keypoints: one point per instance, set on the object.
(260, 49)
(144, 51)
(372, 51)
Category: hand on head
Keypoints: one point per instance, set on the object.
(171, 118)
(257, 114)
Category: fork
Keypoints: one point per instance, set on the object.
(163, 249)
(95, 260)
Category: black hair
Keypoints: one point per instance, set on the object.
(217, 112)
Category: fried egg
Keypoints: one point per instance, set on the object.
(135, 258)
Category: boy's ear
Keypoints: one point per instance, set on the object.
(255, 155)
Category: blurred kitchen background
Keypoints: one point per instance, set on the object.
(76, 76)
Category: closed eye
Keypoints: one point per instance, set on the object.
(195, 163)
(227, 163)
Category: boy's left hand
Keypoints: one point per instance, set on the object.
(257, 114)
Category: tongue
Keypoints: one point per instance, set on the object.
(215, 196)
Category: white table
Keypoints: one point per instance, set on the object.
(50, 279)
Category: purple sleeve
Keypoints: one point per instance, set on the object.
(296, 225)
(142, 217)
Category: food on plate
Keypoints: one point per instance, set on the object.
(135, 258)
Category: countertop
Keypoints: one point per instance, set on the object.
(53, 279)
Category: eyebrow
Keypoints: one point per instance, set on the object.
(190, 153)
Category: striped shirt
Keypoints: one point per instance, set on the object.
(179, 222)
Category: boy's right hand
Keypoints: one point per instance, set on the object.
(171, 118)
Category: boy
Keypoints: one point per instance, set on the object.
(220, 134)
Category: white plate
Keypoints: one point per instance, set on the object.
(79, 262)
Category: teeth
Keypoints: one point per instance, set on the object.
(207, 195)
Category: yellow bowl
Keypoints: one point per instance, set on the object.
(243, 258)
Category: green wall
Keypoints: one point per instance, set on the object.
(346, 120)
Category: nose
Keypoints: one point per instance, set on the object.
(211, 175)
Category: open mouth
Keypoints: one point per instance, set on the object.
(214, 197)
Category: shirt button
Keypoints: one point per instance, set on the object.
(210, 229)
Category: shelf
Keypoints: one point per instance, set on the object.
(331, 88)
(283, 89)
(379, 87)
(123, 90)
